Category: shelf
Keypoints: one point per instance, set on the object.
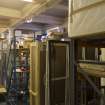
(93, 69)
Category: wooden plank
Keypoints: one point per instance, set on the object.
(2, 89)
(12, 13)
(92, 69)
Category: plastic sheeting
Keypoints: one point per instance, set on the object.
(88, 17)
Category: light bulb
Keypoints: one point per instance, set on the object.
(28, 0)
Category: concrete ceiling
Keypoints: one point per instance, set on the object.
(45, 13)
(55, 16)
(14, 4)
(10, 11)
(13, 12)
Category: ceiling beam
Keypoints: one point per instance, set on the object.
(12, 13)
(29, 26)
(51, 20)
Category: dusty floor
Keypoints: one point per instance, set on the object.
(2, 103)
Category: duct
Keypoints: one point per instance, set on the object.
(49, 73)
(37, 66)
(86, 17)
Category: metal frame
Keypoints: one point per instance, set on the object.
(12, 88)
(48, 68)
(3, 74)
(74, 45)
(73, 73)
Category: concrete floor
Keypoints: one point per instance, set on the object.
(2, 103)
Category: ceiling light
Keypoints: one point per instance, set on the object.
(28, 0)
(28, 20)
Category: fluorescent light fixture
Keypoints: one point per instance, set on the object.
(28, 0)
(55, 29)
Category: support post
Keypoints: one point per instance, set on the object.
(73, 74)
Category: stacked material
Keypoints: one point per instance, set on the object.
(2, 89)
(97, 70)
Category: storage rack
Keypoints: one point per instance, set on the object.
(3, 54)
(11, 77)
(3, 73)
(86, 71)
(22, 72)
(18, 75)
